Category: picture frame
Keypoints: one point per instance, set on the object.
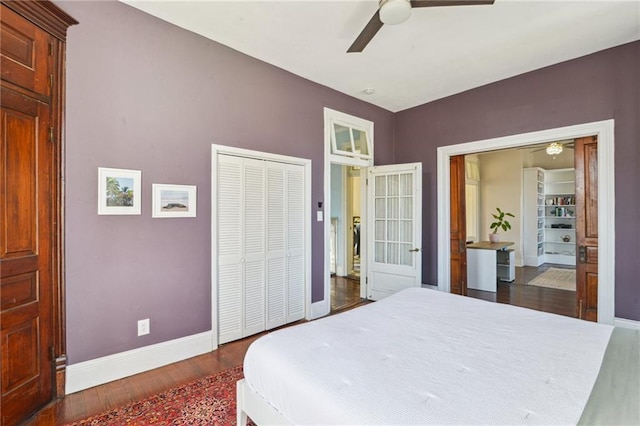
(174, 200)
(119, 191)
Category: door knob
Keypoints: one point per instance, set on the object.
(415, 250)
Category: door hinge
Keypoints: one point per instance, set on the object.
(52, 353)
(51, 80)
(50, 49)
(51, 134)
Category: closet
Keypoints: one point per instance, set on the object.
(261, 238)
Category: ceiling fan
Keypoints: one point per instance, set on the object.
(397, 11)
(555, 148)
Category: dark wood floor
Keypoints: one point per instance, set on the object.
(98, 399)
(517, 293)
(345, 294)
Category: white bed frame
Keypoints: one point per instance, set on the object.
(251, 404)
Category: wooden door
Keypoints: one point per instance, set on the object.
(31, 311)
(25, 252)
(458, 220)
(26, 225)
(586, 165)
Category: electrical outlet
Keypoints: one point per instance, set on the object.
(143, 327)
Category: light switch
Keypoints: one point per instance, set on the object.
(319, 215)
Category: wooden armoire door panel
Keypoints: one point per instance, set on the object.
(25, 50)
(26, 273)
(586, 164)
(458, 221)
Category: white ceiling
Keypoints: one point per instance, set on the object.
(436, 53)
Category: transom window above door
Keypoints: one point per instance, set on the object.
(351, 138)
(348, 140)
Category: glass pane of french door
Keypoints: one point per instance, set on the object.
(393, 219)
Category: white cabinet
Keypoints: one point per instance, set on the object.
(560, 217)
(506, 263)
(260, 245)
(533, 216)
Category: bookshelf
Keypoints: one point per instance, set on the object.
(560, 216)
(533, 216)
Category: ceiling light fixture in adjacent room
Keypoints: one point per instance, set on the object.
(554, 148)
(395, 11)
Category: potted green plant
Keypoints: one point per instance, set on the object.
(500, 222)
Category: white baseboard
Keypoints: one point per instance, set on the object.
(626, 323)
(319, 309)
(87, 374)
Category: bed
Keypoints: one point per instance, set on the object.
(426, 357)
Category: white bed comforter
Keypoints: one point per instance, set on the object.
(427, 357)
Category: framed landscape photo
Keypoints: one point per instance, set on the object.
(174, 200)
(119, 191)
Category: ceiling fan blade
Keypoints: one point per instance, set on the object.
(437, 3)
(372, 27)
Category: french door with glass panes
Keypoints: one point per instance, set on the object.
(394, 199)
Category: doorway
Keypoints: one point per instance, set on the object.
(345, 205)
(605, 199)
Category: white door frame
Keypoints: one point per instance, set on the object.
(604, 130)
(247, 153)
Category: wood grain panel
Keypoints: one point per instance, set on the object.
(590, 179)
(21, 339)
(458, 224)
(24, 45)
(19, 290)
(19, 139)
(586, 165)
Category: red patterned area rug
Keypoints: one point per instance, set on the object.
(207, 401)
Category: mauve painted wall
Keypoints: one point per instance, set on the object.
(600, 86)
(143, 94)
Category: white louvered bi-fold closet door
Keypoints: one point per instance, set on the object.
(295, 243)
(260, 245)
(285, 244)
(241, 247)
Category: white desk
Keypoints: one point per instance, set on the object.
(482, 265)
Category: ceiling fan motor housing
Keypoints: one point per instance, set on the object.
(394, 11)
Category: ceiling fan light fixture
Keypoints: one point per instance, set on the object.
(554, 148)
(395, 11)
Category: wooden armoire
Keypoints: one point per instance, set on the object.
(32, 328)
